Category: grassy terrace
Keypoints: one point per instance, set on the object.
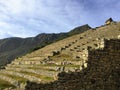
(5, 84)
(65, 57)
(43, 77)
(41, 66)
(33, 68)
(54, 65)
(20, 79)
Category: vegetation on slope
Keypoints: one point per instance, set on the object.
(11, 48)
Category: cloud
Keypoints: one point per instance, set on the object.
(23, 18)
(13, 30)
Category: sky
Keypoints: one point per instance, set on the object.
(27, 18)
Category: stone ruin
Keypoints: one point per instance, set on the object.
(109, 21)
(101, 73)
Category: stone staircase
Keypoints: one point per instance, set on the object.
(70, 54)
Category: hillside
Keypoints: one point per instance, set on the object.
(11, 48)
(45, 66)
(102, 72)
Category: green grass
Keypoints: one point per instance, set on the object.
(40, 68)
(64, 57)
(62, 65)
(21, 79)
(48, 78)
(34, 68)
(43, 77)
(61, 57)
(5, 84)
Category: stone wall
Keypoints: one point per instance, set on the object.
(102, 72)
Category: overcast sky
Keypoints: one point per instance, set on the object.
(26, 18)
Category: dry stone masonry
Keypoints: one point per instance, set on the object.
(101, 73)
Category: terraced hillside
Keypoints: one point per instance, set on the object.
(70, 54)
(102, 72)
(11, 48)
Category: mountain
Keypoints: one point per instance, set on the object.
(11, 48)
(86, 61)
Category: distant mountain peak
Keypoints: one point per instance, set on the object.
(80, 29)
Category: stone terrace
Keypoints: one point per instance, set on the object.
(102, 72)
(70, 54)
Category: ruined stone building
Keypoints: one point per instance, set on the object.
(109, 21)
